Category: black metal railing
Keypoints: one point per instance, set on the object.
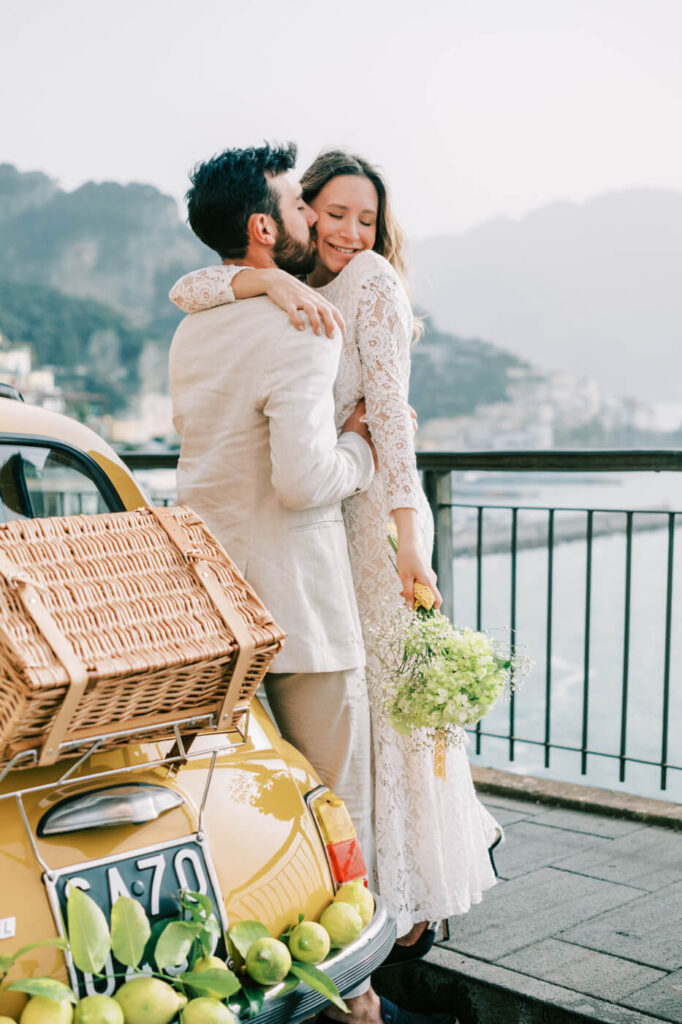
(471, 537)
(438, 469)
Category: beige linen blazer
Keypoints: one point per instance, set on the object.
(261, 463)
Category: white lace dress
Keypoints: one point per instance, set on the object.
(431, 834)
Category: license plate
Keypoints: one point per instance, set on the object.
(152, 876)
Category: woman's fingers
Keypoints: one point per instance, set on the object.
(432, 583)
(318, 313)
(310, 310)
(295, 317)
(326, 312)
(408, 590)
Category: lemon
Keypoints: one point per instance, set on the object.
(98, 1010)
(7, 1020)
(359, 897)
(342, 922)
(207, 1011)
(309, 942)
(211, 963)
(41, 1010)
(148, 1001)
(268, 961)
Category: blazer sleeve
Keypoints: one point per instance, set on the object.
(310, 465)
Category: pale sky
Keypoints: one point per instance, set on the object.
(474, 108)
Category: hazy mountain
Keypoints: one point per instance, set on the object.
(122, 245)
(592, 288)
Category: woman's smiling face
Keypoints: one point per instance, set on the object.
(347, 209)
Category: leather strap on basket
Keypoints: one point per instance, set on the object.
(232, 618)
(49, 630)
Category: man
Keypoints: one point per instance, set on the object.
(261, 462)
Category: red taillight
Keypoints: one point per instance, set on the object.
(336, 828)
(346, 860)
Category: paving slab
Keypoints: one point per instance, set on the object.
(594, 824)
(529, 846)
(533, 907)
(663, 998)
(582, 970)
(507, 816)
(527, 808)
(650, 858)
(647, 930)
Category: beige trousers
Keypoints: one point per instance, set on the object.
(326, 716)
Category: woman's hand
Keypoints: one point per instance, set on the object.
(413, 567)
(293, 295)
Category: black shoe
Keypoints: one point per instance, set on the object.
(404, 954)
(492, 847)
(392, 1014)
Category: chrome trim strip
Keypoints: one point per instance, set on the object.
(69, 780)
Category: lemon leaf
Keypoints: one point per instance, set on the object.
(246, 932)
(223, 982)
(47, 987)
(130, 930)
(88, 931)
(175, 942)
(320, 981)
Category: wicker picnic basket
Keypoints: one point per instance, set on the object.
(120, 621)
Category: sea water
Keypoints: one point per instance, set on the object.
(607, 653)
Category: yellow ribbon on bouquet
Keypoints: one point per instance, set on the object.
(439, 752)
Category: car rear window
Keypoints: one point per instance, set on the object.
(38, 481)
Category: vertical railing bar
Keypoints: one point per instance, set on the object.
(479, 567)
(666, 663)
(626, 646)
(438, 490)
(479, 594)
(548, 649)
(512, 626)
(586, 651)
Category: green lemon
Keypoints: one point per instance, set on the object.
(359, 897)
(205, 1010)
(309, 942)
(268, 961)
(211, 963)
(148, 1001)
(98, 1010)
(41, 1010)
(342, 922)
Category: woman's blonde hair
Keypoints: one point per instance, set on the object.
(390, 240)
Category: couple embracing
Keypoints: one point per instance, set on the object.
(297, 450)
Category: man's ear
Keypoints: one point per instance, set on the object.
(262, 229)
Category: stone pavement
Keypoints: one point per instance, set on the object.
(586, 917)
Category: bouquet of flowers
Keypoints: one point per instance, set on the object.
(438, 676)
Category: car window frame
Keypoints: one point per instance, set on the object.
(82, 459)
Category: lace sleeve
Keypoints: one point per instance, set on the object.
(202, 289)
(383, 336)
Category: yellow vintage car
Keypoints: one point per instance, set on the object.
(251, 825)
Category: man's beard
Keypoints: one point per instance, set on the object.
(291, 255)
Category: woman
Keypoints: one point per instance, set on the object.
(432, 835)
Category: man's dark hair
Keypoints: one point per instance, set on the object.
(230, 187)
